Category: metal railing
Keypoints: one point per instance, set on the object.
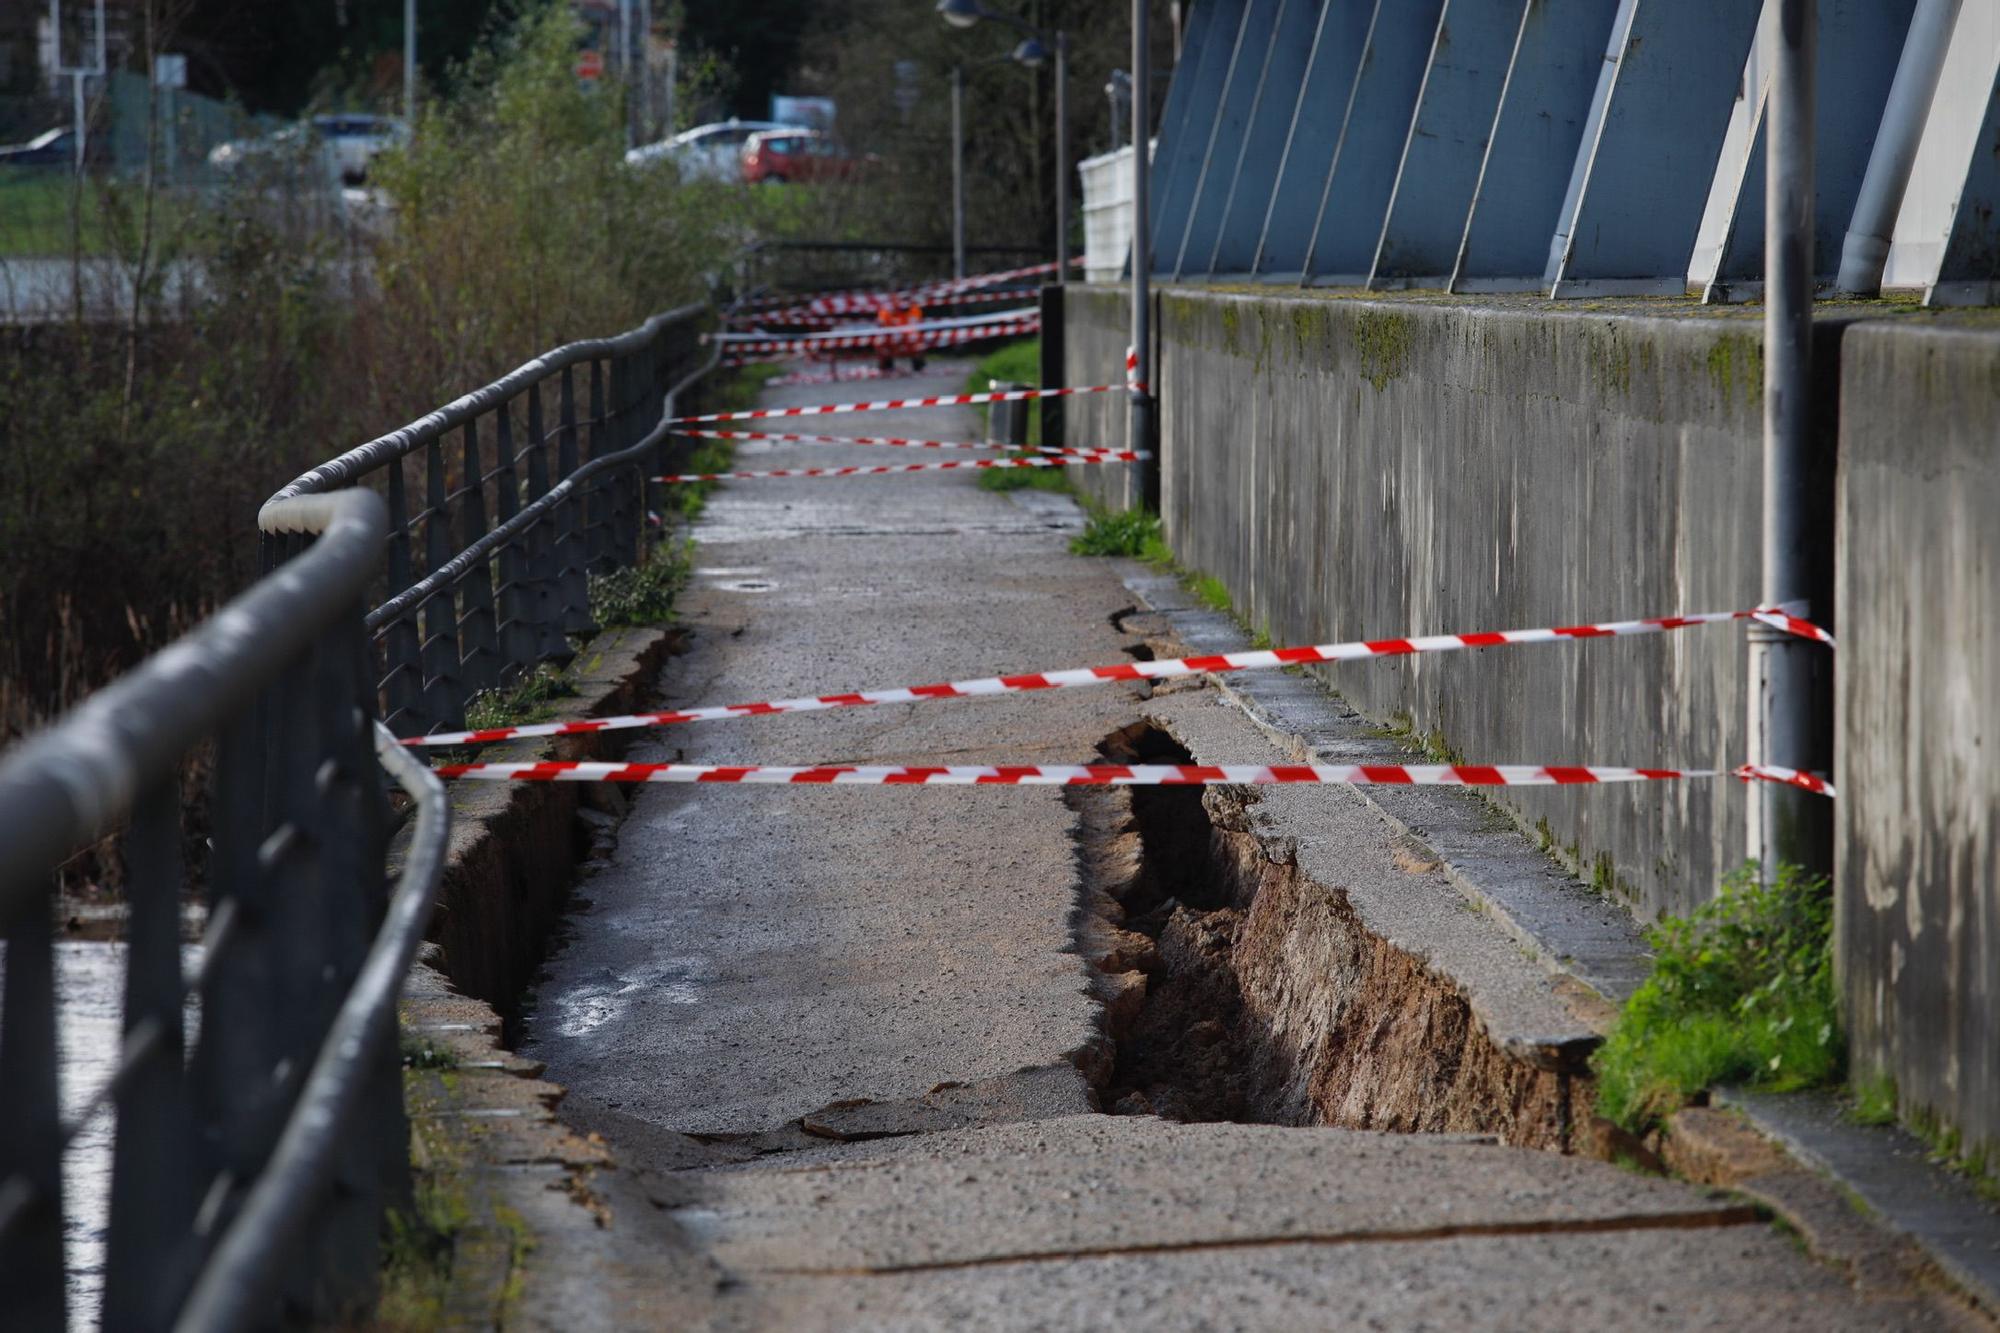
(260, 1129)
(488, 574)
(267, 1126)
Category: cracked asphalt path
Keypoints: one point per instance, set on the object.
(754, 953)
(826, 1030)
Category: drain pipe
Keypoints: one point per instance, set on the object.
(1781, 671)
(1865, 252)
(1140, 429)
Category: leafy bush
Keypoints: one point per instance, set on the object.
(642, 594)
(531, 699)
(1741, 990)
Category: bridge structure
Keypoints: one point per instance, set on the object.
(1465, 146)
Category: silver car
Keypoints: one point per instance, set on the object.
(706, 152)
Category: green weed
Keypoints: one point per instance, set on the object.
(1133, 533)
(531, 699)
(643, 594)
(1741, 990)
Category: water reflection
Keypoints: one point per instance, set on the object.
(90, 988)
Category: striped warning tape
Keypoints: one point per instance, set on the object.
(900, 341)
(1078, 775)
(802, 319)
(883, 469)
(1027, 314)
(1162, 669)
(894, 404)
(871, 299)
(897, 441)
(1120, 775)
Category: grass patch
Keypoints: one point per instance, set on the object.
(1025, 478)
(1134, 533)
(531, 699)
(1741, 991)
(643, 594)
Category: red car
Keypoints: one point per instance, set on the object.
(796, 155)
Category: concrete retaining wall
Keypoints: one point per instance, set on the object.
(1918, 712)
(1362, 469)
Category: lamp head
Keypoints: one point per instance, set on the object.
(960, 13)
(1031, 53)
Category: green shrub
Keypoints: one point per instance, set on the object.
(531, 699)
(1741, 990)
(643, 594)
(1131, 532)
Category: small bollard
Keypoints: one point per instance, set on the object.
(1007, 423)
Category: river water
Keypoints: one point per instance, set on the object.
(90, 986)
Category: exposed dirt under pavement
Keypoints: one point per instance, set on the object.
(1236, 988)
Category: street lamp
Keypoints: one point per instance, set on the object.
(1033, 52)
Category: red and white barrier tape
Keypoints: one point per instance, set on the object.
(874, 298)
(894, 404)
(1132, 381)
(1787, 777)
(1162, 669)
(1025, 314)
(897, 341)
(781, 437)
(803, 319)
(883, 469)
(1078, 775)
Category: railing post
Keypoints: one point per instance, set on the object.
(403, 672)
(147, 1263)
(604, 435)
(545, 545)
(444, 686)
(516, 625)
(31, 1224)
(480, 631)
(571, 555)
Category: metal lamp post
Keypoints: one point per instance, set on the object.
(1032, 53)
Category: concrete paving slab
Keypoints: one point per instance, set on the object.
(1099, 1184)
(1734, 1278)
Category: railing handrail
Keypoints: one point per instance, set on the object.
(73, 782)
(456, 568)
(366, 458)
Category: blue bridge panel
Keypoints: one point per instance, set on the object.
(1226, 139)
(1852, 80)
(1672, 72)
(1314, 138)
(1446, 143)
(1205, 60)
(1356, 197)
(1558, 56)
(1248, 197)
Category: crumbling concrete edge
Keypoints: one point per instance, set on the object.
(1811, 1155)
(483, 1125)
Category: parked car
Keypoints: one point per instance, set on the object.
(775, 156)
(50, 148)
(706, 152)
(351, 141)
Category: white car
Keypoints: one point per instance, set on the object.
(349, 141)
(706, 152)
